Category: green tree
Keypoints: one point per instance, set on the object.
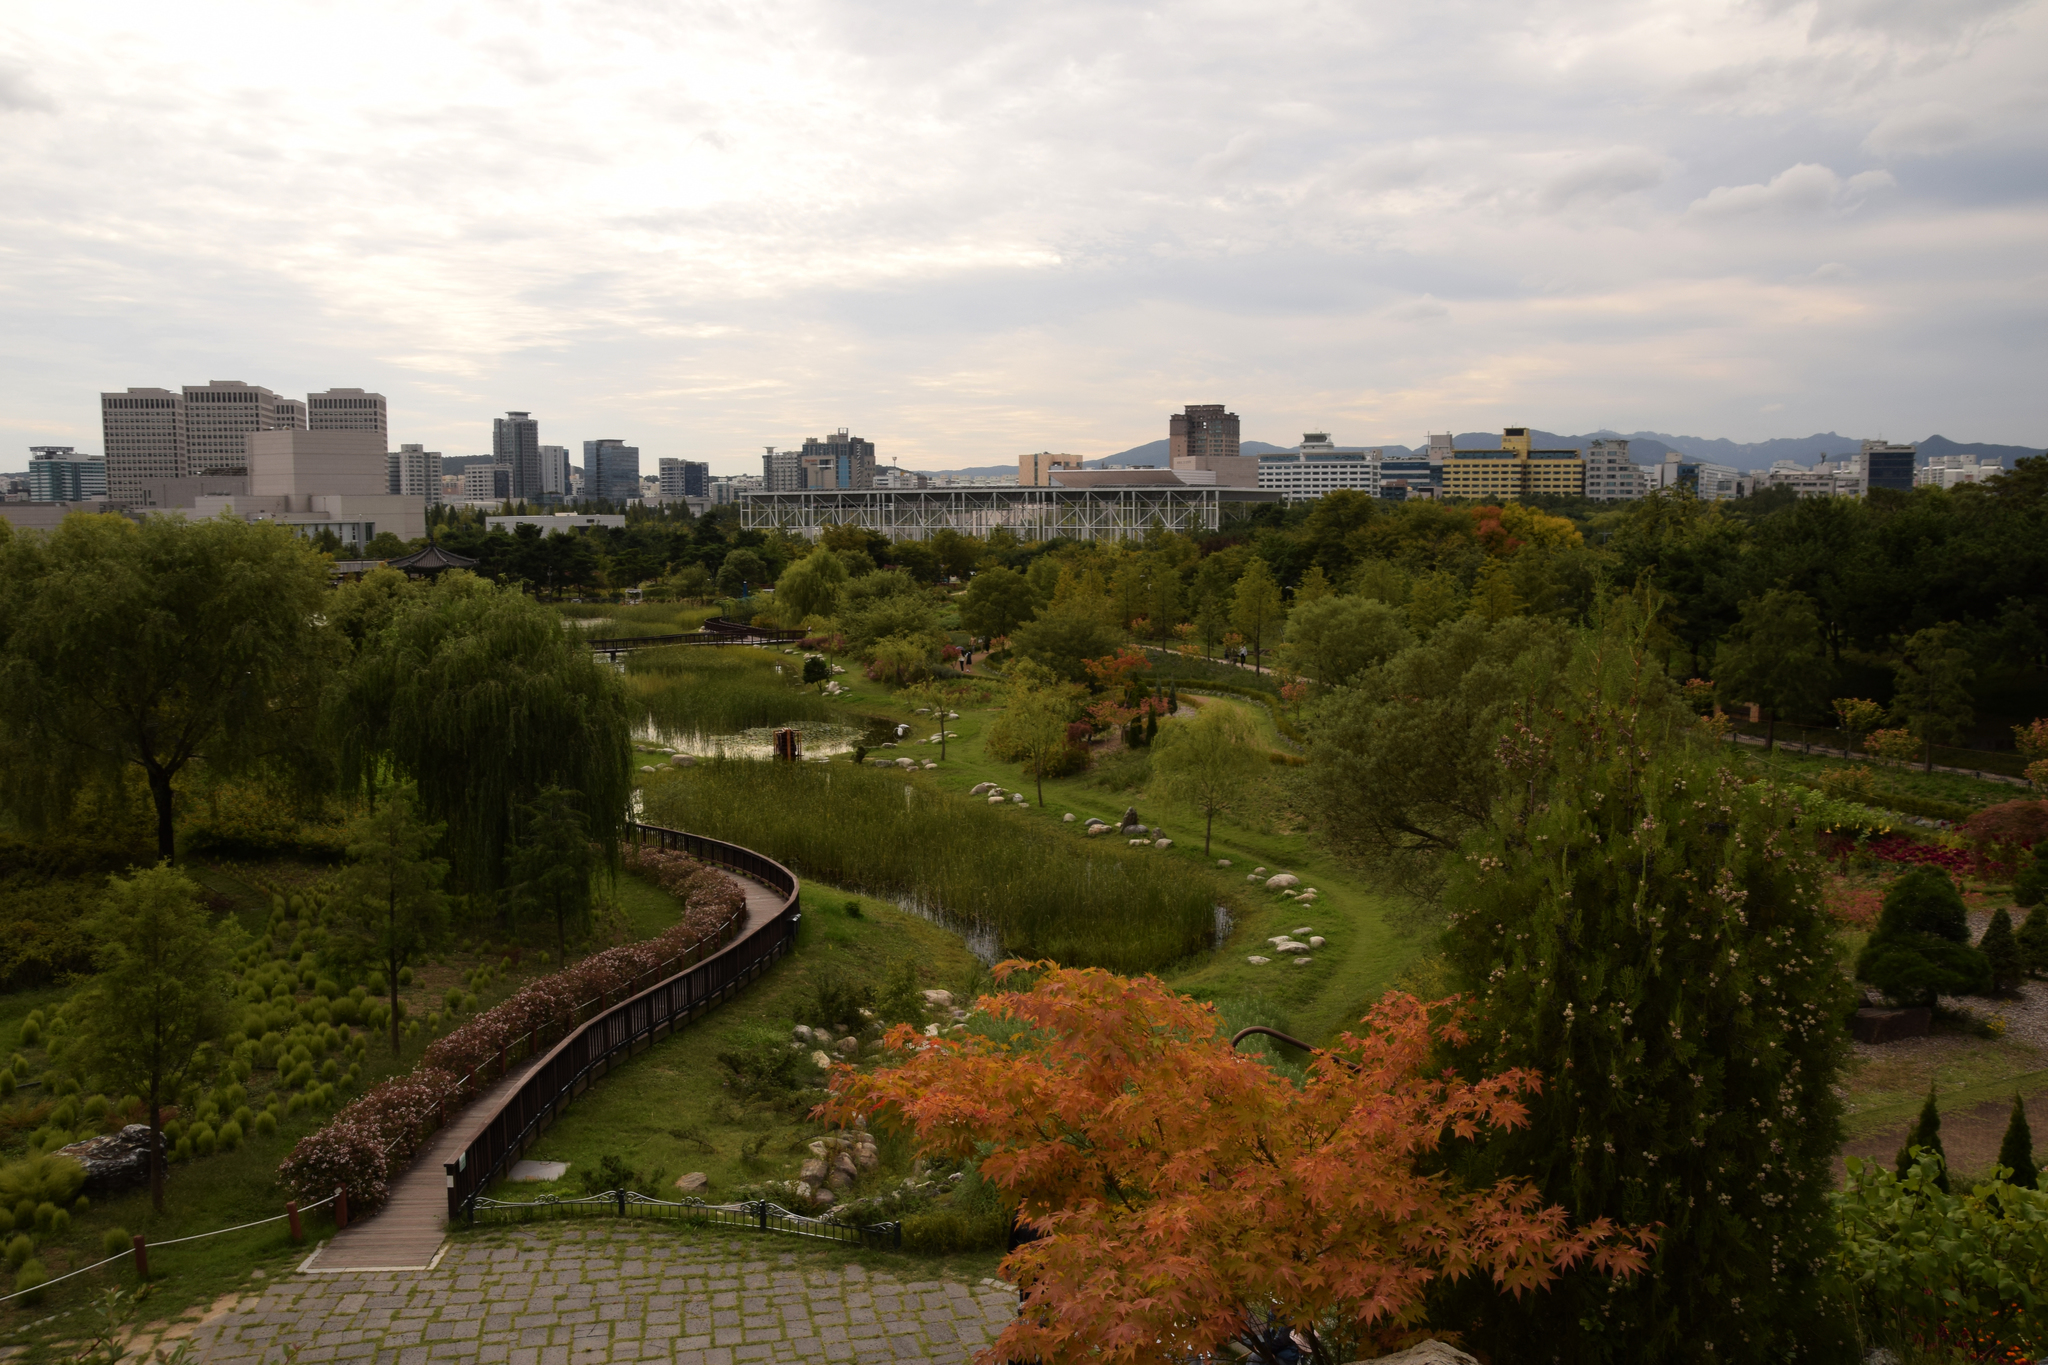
(1858, 717)
(2001, 949)
(554, 861)
(1926, 1137)
(1645, 929)
(1433, 600)
(1032, 728)
(1493, 594)
(1932, 697)
(1063, 639)
(1921, 946)
(811, 586)
(742, 570)
(1315, 585)
(997, 601)
(2016, 1149)
(1331, 640)
(389, 899)
(2030, 889)
(1207, 761)
(1256, 608)
(152, 647)
(160, 996)
(479, 697)
(1774, 657)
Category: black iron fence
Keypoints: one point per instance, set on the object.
(753, 1213)
(602, 1041)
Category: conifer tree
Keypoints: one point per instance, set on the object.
(2001, 947)
(2034, 940)
(2016, 1152)
(1926, 1135)
(1647, 931)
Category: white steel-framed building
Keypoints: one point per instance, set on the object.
(1118, 512)
(1319, 466)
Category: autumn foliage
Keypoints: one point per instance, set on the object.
(1187, 1195)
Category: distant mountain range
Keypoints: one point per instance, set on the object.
(1647, 447)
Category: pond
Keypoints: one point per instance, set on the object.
(818, 738)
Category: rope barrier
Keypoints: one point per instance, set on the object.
(125, 1255)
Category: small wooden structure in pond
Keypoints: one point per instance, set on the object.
(786, 746)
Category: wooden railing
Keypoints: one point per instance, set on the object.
(717, 631)
(591, 1049)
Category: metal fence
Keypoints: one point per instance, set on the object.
(592, 1049)
(717, 631)
(754, 1213)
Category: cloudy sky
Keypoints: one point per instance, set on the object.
(969, 229)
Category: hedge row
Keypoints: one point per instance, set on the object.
(375, 1137)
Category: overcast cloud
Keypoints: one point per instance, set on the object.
(967, 230)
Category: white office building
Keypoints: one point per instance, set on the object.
(414, 472)
(1611, 476)
(1319, 466)
(1947, 471)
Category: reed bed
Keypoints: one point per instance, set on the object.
(605, 620)
(721, 689)
(1042, 893)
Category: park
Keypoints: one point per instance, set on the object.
(1565, 933)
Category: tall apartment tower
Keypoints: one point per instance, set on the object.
(346, 410)
(838, 461)
(684, 479)
(555, 481)
(414, 472)
(142, 432)
(1611, 476)
(1202, 429)
(611, 470)
(515, 443)
(782, 471)
(219, 417)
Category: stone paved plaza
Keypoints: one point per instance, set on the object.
(569, 1295)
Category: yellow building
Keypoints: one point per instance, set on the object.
(1514, 471)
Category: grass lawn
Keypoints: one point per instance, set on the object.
(1908, 781)
(669, 1109)
(1887, 1085)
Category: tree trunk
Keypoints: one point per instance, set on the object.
(1771, 732)
(394, 999)
(166, 832)
(561, 934)
(1207, 830)
(1038, 769)
(1930, 755)
(156, 1146)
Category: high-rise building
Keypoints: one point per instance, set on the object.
(1319, 466)
(782, 471)
(1514, 470)
(414, 472)
(515, 443)
(219, 417)
(1611, 476)
(838, 461)
(611, 470)
(1201, 429)
(346, 410)
(684, 479)
(555, 479)
(61, 474)
(1884, 465)
(487, 483)
(291, 414)
(293, 463)
(1035, 470)
(1947, 471)
(143, 434)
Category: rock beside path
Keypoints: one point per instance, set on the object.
(115, 1161)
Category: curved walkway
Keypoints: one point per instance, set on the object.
(407, 1234)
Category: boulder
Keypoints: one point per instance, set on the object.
(683, 761)
(115, 1161)
(802, 1033)
(1223, 862)
(1291, 947)
(939, 999)
(1130, 817)
(1304, 929)
(906, 763)
(649, 768)
(866, 1157)
(812, 1170)
(1257, 961)
(1138, 843)
(802, 1191)
(1251, 876)
(847, 1046)
(693, 1182)
(823, 1199)
(1018, 798)
(995, 801)
(1067, 819)
(1282, 881)
(843, 1165)
(1303, 961)
(1875, 1026)
(1258, 872)
(1423, 1353)
(981, 789)
(1162, 843)
(822, 1060)
(1315, 940)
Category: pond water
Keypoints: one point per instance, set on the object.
(817, 738)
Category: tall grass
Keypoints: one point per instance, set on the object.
(721, 689)
(604, 620)
(1042, 893)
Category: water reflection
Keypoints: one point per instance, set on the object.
(819, 739)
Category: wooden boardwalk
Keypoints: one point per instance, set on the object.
(409, 1231)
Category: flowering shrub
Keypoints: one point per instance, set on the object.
(1897, 848)
(1854, 905)
(379, 1133)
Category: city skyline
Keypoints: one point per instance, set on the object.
(1021, 230)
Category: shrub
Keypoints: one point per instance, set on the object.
(2002, 834)
(266, 1123)
(46, 1213)
(2030, 884)
(837, 1002)
(6, 1221)
(944, 1231)
(29, 1281)
(1921, 948)
(762, 1063)
(60, 1222)
(202, 1140)
(114, 1241)
(41, 1179)
(19, 1250)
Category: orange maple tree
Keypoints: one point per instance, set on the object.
(1186, 1195)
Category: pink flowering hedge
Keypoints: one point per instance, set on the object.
(378, 1135)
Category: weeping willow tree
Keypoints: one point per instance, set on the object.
(477, 696)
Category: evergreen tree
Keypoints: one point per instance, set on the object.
(2001, 948)
(1921, 947)
(2030, 882)
(1926, 1135)
(2016, 1152)
(1647, 932)
(2034, 940)
(554, 862)
(389, 901)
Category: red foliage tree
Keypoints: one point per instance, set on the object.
(1187, 1196)
(2001, 834)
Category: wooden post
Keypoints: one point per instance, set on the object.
(340, 1207)
(291, 1211)
(141, 1257)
